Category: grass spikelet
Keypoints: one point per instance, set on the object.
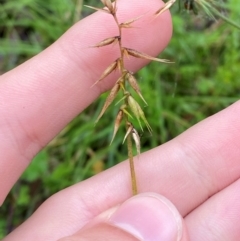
(107, 71)
(109, 100)
(137, 141)
(106, 42)
(133, 82)
(98, 9)
(128, 23)
(138, 54)
(165, 7)
(129, 130)
(135, 108)
(138, 112)
(109, 5)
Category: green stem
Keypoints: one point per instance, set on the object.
(132, 168)
(229, 21)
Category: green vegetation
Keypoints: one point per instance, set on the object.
(203, 80)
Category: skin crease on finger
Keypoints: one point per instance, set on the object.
(48, 91)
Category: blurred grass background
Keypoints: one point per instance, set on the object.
(203, 80)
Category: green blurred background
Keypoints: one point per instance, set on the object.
(203, 80)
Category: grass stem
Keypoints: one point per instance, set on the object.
(132, 168)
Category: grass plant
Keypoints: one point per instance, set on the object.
(131, 108)
(203, 80)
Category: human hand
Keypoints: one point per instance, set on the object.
(41, 96)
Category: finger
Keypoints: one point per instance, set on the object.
(147, 216)
(197, 164)
(218, 218)
(210, 147)
(40, 97)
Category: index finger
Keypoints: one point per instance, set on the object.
(40, 97)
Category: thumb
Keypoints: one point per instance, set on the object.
(145, 217)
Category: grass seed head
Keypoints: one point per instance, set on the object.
(107, 41)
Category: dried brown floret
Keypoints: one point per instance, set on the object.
(127, 24)
(129, 130)
(136, 139)
(98, 9)
(113, 93)
(166, 6)
(141, 55)
(107, 71)
(109, 5)
(107, 41)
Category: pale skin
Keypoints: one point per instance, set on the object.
(198, 171)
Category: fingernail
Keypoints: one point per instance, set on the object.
(149, 217)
